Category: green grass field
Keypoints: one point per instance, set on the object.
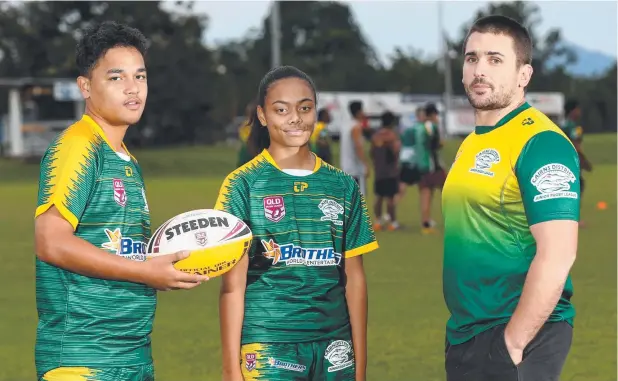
(407, 312)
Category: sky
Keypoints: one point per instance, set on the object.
(390, 24)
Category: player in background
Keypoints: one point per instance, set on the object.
(353, 159)
(95, 293)
(575, 132)
(510, 207)
(295, 307)
(410, 174)
(430, 165)
(320, 141)
(243, 134)
(385, 147)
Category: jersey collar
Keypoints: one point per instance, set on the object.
(101, 133)
(507, 118)
(266, 155)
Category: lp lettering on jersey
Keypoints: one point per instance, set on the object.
(120, 194)
(274, 208)
(300, 186)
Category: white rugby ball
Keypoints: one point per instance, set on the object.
(217, 241)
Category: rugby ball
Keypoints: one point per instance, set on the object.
(217, 241)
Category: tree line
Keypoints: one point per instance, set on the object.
(195, 91)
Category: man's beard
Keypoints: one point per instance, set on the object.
(496, 101)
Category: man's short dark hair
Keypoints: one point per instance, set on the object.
(570, 105)
(388, 119)
(431, 109)
(355, 107)
(497, 24)
(98, 39)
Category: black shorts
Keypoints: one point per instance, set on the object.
(409, 175)
(486, 358)
(386, 187)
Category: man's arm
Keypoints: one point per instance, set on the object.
(549, 184)
(356, 297)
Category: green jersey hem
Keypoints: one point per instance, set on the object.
(269, 336)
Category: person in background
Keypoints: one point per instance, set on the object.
(409, 174)
(353, 159)
(243, 134)
(320, 140)
(432, 172)
(385, 147)
(575, 133)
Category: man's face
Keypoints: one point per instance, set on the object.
(491, 77)
(117, 87)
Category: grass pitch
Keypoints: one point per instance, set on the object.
(407, 313)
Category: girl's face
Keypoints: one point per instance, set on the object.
(289, 112)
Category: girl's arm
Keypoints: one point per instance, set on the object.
(231, 315)
(356, 296)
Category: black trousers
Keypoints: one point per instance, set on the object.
(485, 357)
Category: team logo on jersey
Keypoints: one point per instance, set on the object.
(332, 210)
(291, 254)
(484, 161)
(128, 171)
(340, 354)
(274, 208)
(120, 194)
(127, 247)
(300, 186)
(527, 122)
(553, 181)
(201, 238)
(286, 365)
(250, 361)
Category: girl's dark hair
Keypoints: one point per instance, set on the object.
(259, 139)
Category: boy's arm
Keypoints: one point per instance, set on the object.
(56, 244)
(67, 179)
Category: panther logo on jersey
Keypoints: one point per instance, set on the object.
(126, 247)
(484, 160)
(331, 210)
(553, 181)
(291, 254)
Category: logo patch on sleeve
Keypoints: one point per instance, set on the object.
(553, 181)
